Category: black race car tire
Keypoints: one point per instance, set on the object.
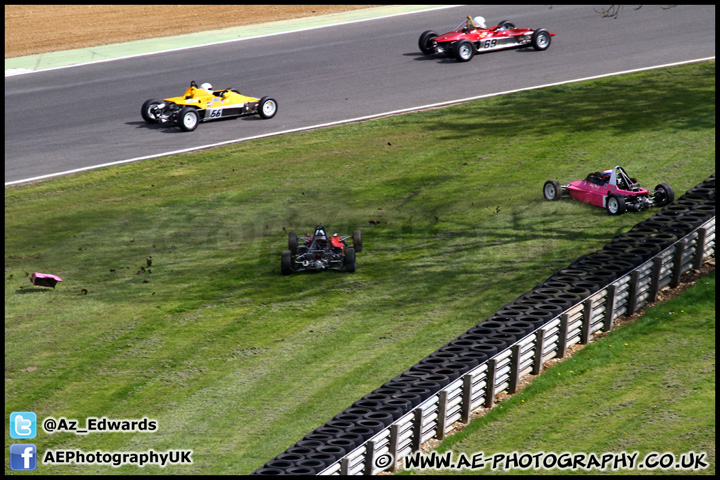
(267, 108)
(145, 111)
(188, 119)
(293, 242)
(286, 262)
(551, 190)
(464, 51)
(540, 39)
(424, 42)
(349, 260)
(615, 205)
(667, 195)
(506, 23)
(357, 241)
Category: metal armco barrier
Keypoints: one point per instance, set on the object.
(383, 427)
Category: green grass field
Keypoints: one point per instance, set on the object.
(173, 306)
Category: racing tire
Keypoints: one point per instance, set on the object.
(270, 471)
(336, 451)
(283, 464)
(506, 23)
(424, 42)
(615, 205)
(705, 211)
(402, 402)
(540, 39)
(290, 457)
(267, 108)
(551, 190)
(349, 260)
(384, 417)
(286, 262)
(304, 451)
(422, 392)
(374, 425)
(188, 119)
(146, 111)
(464, 51)
(664, 195)
(357, 241)
(311, 464)
(345, 443)
(363, 432)
(293, 243)
(699, 194)
(295, 471)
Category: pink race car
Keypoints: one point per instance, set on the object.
(472, 36)
(612, 189)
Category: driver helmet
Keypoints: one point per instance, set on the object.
(320, 233)
(206, 86)
(479, 22)
(606, 174)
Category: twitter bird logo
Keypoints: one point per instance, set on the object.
(23, 425)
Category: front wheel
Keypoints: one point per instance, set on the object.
(663, 195)
(349, 260)
(615, 205)
(540, 39)
(268, 107)
(188, 119)
(425, 42)
(357, 241)
(149, 111)
(551, 190)
(506, 24)
(286, 262)
(464, 51)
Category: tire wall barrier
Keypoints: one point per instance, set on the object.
(391, 422)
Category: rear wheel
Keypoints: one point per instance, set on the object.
(464, 51)
(286, 262)
(663, 195)
(148, 111)
(349, 259)
(188, 119)
(425, 42)
(267, 107)
(540, 39)
(551, 190)
(293, 243)
(615, 205)
(357, 241)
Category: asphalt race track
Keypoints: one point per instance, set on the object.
(72, 118)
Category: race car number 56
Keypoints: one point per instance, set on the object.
(214, 113)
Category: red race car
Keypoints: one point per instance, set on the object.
(612, 189)
(472, 36)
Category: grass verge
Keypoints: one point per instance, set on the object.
(173, 307)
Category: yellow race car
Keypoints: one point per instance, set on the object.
(200, 104)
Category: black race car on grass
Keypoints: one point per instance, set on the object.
(319, 252)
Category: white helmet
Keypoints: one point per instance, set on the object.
(206, 86)
(479, 22)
